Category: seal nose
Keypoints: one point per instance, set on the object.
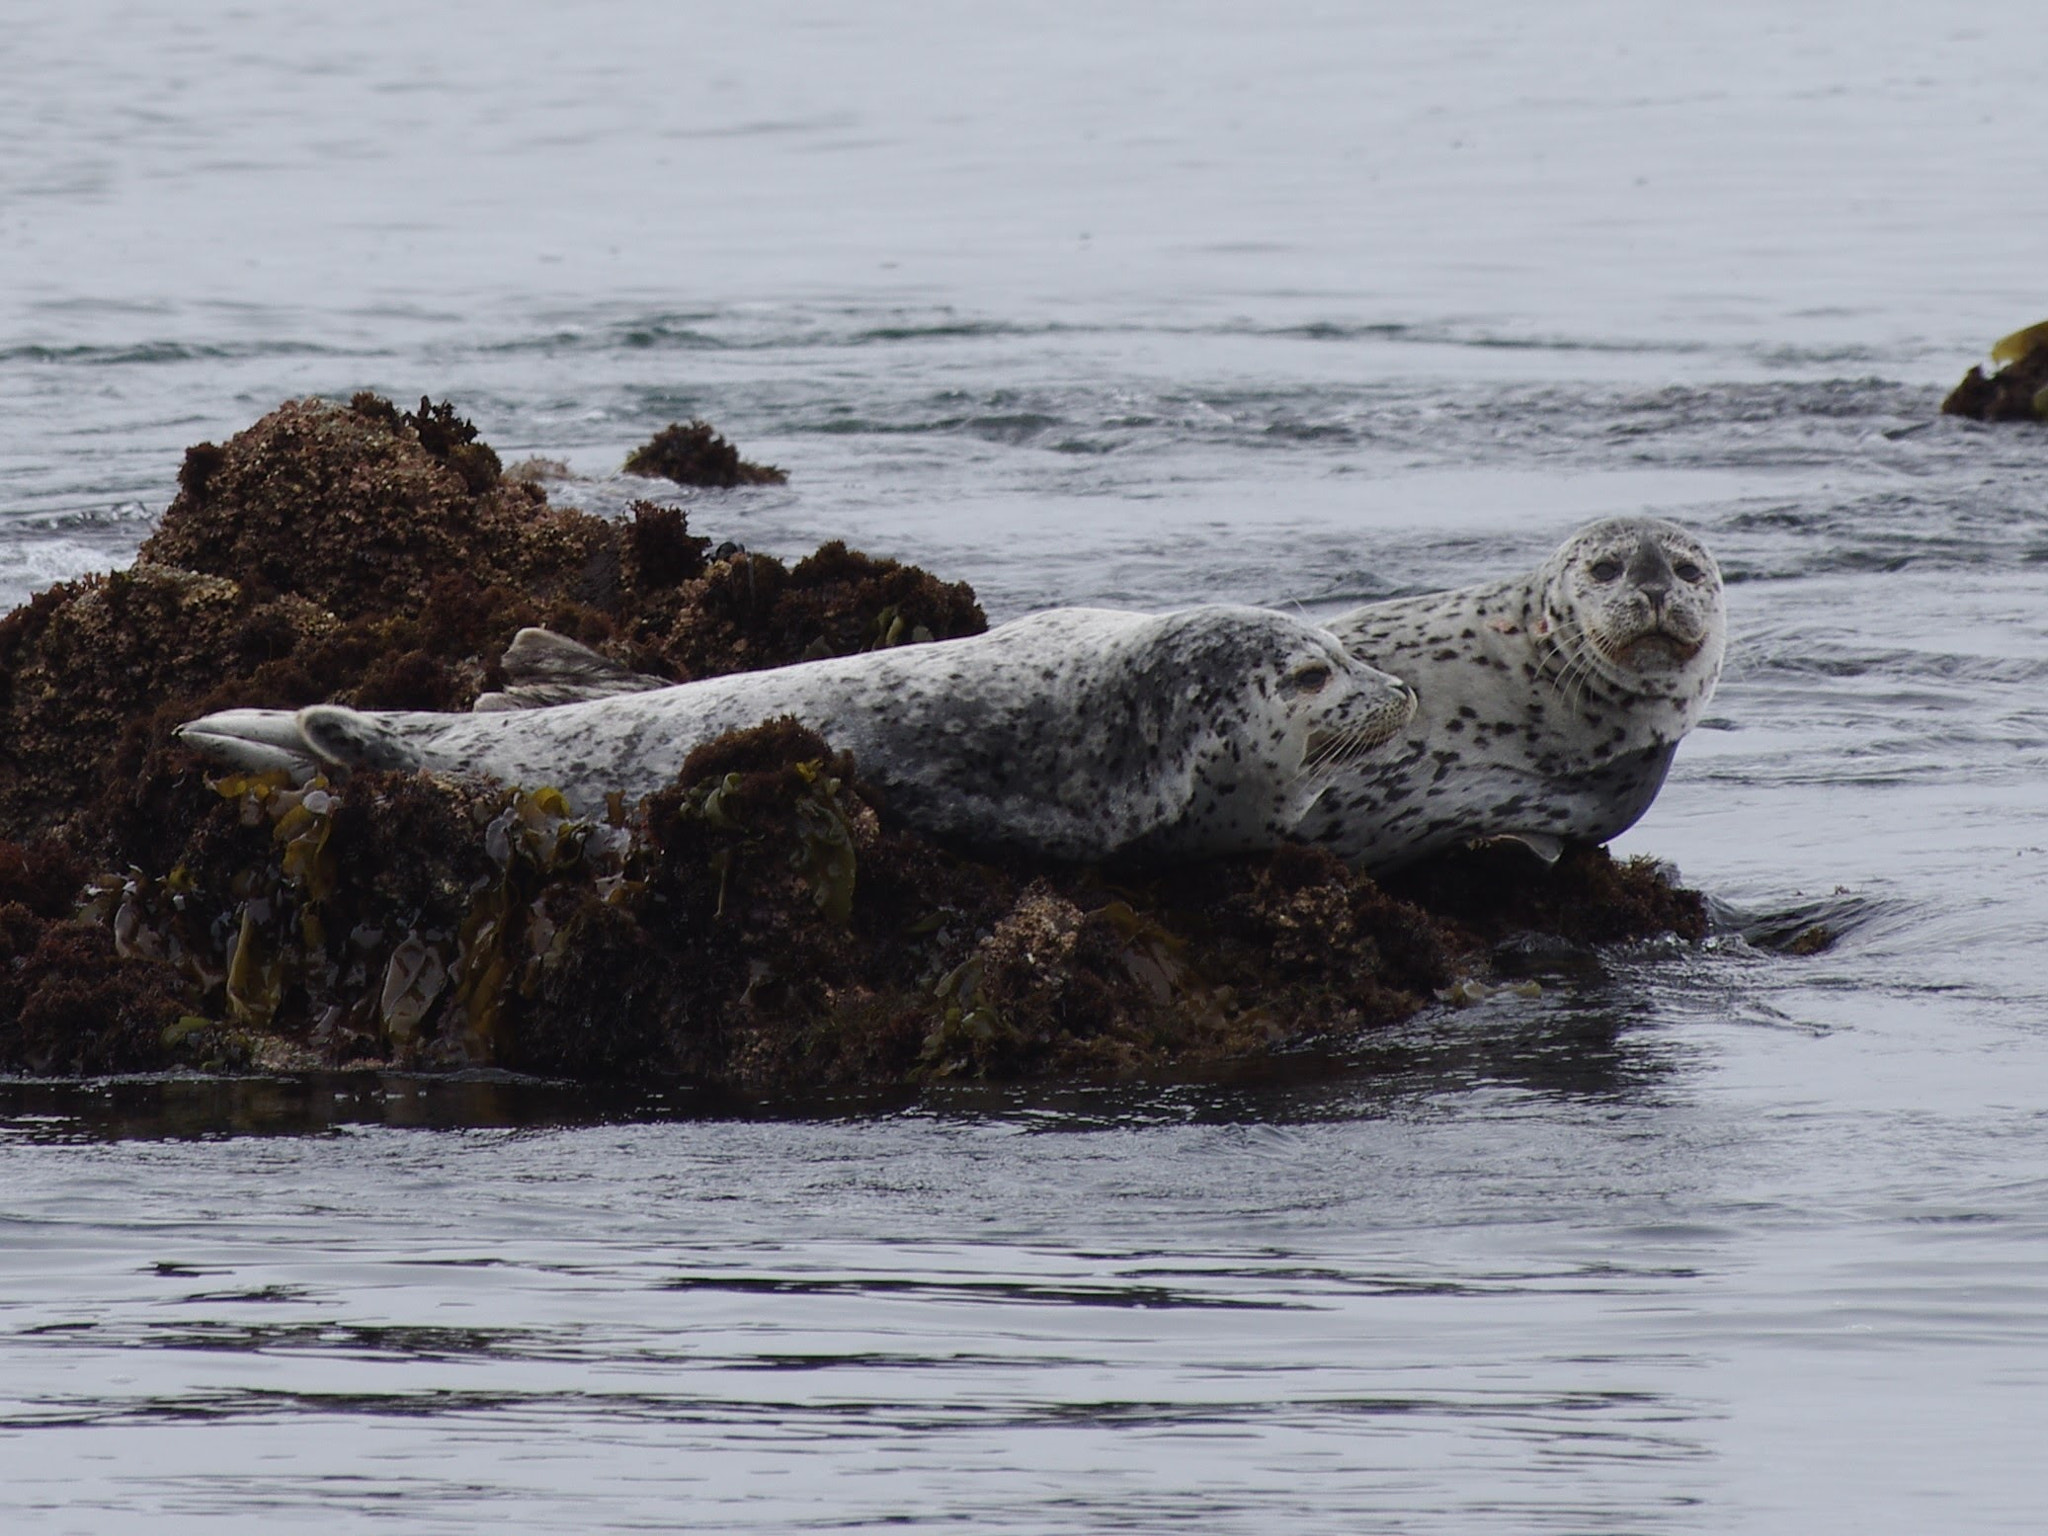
(1650, 573)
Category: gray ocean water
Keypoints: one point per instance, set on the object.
(1137, 304)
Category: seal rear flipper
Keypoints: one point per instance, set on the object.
(1546, 847)
(543, 668)
(351, 739)
(258, 740)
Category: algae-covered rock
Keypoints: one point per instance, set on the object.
(71, 1002)
(760, 925)
(763, 924)
(1494, 889)
(80, 663)
(2017, 392)
(748, 611)
(360, 509)
(365, 556)
(694, 454)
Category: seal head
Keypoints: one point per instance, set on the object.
(1255, 714)
(1635, 602)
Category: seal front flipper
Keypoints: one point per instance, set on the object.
(259, 740)
(543, 668)
(350, 739)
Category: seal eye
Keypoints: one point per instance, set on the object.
(1310, 679)
(1687, 571)
(1606, 570)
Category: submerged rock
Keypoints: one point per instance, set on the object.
(762, 924)
(694, 454)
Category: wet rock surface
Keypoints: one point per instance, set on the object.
(762, 925)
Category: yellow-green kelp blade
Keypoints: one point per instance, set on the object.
(2010, 349)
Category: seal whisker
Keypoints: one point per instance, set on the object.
(1329, 755)
(1581, 669)
(1347, 746)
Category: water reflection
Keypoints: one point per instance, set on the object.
(174, 1108)
(1587, 1038)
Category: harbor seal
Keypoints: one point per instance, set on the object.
(1077, 733)
(1551, 702)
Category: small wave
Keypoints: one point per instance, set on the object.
(124, 514)
(643, 338)
(770, 330)
(1450, 334)
(950, 330)
(957, 1289)
(1804, 926)
(28, 566)
(149, 353)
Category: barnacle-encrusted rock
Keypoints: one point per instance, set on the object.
(72, 1002)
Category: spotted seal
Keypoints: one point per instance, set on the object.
(1551, 702)
(1077, 733)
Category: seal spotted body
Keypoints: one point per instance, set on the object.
(1550, 703)
(1078, 733)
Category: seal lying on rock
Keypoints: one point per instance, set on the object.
(1551, 702)
(1077, 733)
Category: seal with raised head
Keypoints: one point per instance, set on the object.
(1078, 733)
(1550, 703)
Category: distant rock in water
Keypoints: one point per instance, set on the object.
(761, 925)
(2017, 392)
(694, 454)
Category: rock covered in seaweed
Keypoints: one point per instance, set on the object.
(361, 509)
(2017, 392)
(361, 555)
(693, 453)
(1494, 889)
(750, 611)
(762, 924)
(71, 1002)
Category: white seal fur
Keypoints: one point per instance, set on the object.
(1078, 733)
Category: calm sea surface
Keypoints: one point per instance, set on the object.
(1139, 304)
